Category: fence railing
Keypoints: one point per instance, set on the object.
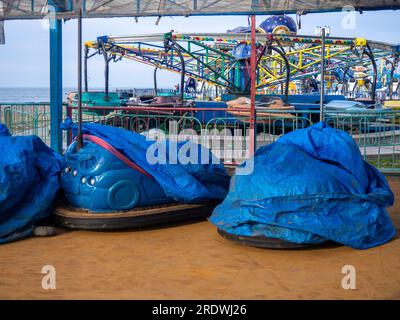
(226, 131)
(27, 119)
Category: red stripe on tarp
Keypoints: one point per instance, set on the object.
(104, 144)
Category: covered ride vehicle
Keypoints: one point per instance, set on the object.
(310, 186)
(120, 179)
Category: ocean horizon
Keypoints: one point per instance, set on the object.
(39, 94)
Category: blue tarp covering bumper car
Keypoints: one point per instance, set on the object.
(29, 181)
(121, 179)
(310, 186)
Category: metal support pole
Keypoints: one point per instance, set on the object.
(85, 70)
(56, 92)
(79, 143)
(107, 77)
(395, 62)
(106, 69)
(345, 82)
(253, 115)
(322, 86)
(182, 85)
(155, 81)
(370, 55)
(391, 81)
(177, 49)
(287, 66)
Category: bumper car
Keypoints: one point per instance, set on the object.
(104, 190)
(310, 188)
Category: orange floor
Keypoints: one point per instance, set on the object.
(192, 262)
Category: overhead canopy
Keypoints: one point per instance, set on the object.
(31, 9)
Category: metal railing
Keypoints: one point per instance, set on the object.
(377, 133)
(24, 119)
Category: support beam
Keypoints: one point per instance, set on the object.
(106, 69)
(155, 81)
(370, 55)
(2, 33)
(85, 68)
(253, 115)
(395, 63)
(322, 85)
(79, 138)
(171, 44)
(56, 91)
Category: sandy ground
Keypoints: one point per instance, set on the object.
(192, 262)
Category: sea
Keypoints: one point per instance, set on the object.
(20, 95)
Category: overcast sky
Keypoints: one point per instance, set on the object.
(24, 59)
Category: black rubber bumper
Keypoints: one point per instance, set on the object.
(268, 243)
(138, 218)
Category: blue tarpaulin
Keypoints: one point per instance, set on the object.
(310, 186)
(29, 172)
(203, 177)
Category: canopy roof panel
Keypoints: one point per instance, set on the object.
(31, 9)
